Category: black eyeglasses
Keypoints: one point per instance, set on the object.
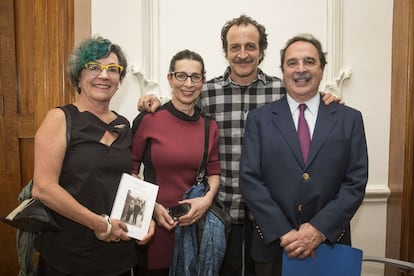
(183, 76)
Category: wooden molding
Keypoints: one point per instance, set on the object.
(82, 20)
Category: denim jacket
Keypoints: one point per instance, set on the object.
(191, 258)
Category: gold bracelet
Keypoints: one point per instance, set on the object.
(104, 236)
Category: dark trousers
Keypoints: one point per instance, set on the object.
(237, 258)
(151, 272)
(141, 268)
(44, 269)
(268, 269)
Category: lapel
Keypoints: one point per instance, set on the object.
(325, 122)
(283, 121)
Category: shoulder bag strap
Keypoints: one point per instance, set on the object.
(202, 168)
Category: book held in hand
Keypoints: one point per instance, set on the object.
(25, 203)
(134, 204)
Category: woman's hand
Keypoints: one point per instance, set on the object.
(112, 230)
(162, 218)
(149, 235)
(199, 206)
(119, 231)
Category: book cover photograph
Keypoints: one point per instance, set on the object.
(134, 204)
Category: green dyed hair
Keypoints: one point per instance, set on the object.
(92, 49)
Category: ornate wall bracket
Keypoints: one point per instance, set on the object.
(336, 85)
(144, 83)
(147, 71)
(334, 74)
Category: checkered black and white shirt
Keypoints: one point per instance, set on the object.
(229, 103)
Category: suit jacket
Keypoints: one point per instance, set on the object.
(282, 192)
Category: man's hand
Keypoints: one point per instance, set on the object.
(288, 238)
(303, 242)
(149, 103)
(329, 98)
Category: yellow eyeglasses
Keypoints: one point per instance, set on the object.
(96, 68)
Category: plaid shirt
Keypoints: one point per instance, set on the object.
(229, 103)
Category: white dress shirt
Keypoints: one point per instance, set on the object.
(311, 111)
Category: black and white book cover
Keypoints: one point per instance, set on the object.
(134, 204)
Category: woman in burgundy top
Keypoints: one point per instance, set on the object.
(170, 144)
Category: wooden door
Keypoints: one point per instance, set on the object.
(400, 222)
(35, 39)
(10, 167)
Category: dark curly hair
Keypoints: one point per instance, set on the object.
(245, 20)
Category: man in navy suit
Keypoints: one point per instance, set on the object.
(298, 204)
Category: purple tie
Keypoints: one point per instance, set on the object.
(303, 133)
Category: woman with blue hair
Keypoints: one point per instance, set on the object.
(78, 181)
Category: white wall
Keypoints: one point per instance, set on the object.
(119, 22)
(196, 25)
(365, 48)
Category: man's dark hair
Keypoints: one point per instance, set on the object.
(245, 20)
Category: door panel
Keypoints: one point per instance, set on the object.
(9, 146)
(35, 39)
(400, 209)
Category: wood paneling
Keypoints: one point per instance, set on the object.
(9, 147)
(24, 37)
(52, 47)
(400, 222)
(82, 10)
(36, 37)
